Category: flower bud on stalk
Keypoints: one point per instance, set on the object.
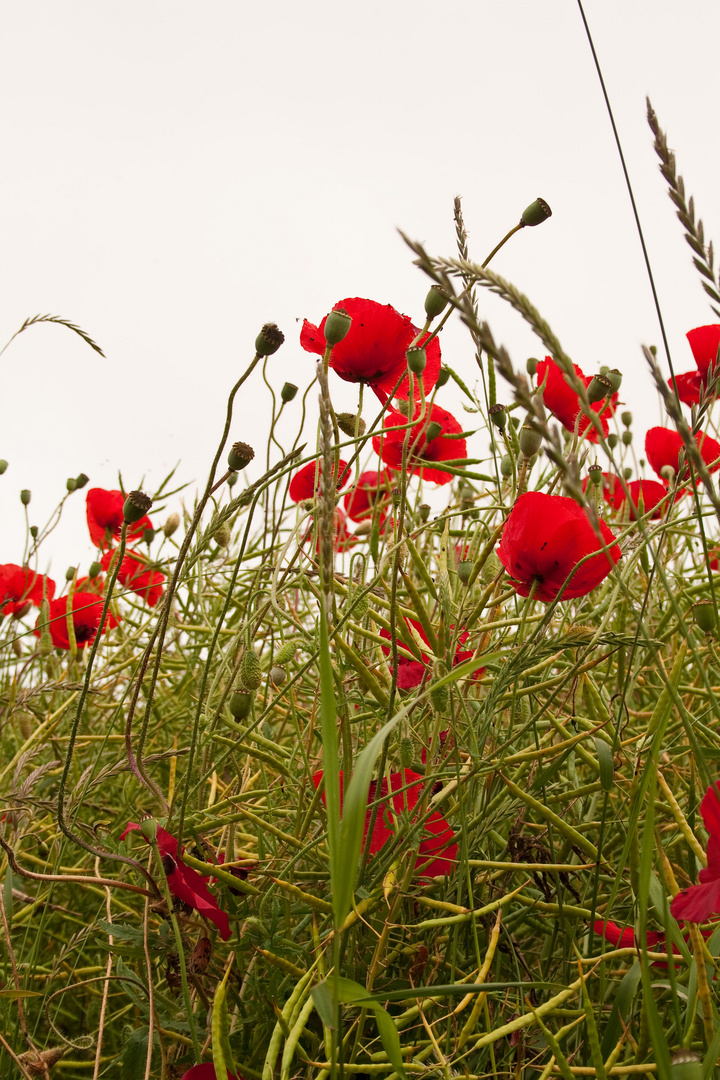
(537, 212)
(346, 422)
(278, 675)
(269, 340)
(288, 392)
(240, 456)
(433, 430)
(506, 466)
(71, 483)
(3, 465)
(94, 570)
(627, 438)
(626, 418)
(81, 480)
(232, 479)
(250, 670)
(222, 535)
(600, 387)
(612, 440)
(531, 365)
(443, 377)
(407, 752)
(136, 506)
(70, 573)
(424, 512)
(435, 302)
(172, 524)
(240, 704)
(149, 827)
(464, 570)
(286, 652)
(595, 475)
(704, 614)
(530, 440)
(337, 325)
(25, 497)
(34, 531)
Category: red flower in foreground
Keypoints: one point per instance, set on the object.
(105, 518)
(663, 446)
(373, 352)
(87, 605)
(544, 539)
(20, 587)
(699, 902)
(206, 1071)
(372, 490)
(564, 403)
(135, 575)
(437, 851)
(302, 485)
(411, 672)
(184, 882)
(423, 451)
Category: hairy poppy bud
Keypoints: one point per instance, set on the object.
(433, 430)
(705, 615)
(240, 455)
(81, 480)
(288, 392)
(250, 670)
(668, 473)
(403, 407)
(530, 440)
(595, 475)
(396, 496)
(498, 416)
(536, 213)
(94, 570)
(443, 377)
(627, 438)
(424, 511)
(149, 828)
(346, 422)
(240, 704)
(336, 327)
(172, 524)
(464, 570)
(222, 535)
(440, 698)
(286, 652)
(416, 360)
(71, 483)
(612, 440)
(3, 465)
(278, 675)
(269, 340)
(531, 365)
(136, 506)
(626, 418)
(407, 752)
(25, 497)
(435, 302)
(614, 377)
(599, 388)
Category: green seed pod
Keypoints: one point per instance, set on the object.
(222, 535)
(268, 340)
(498, 416)
(336, 327)
(506, 466)
(433, 430)
(240, 704)
(148, 536)
(705, 615)
(250, 670)
(530, 440)
(240, 456)
(440, 698)
(3, 465)
(443, 377)
(45, 646)
(278, 675)
(346, 422)
(34, 531)
(25, 497)
(595, 475)
(435, 302)
(81, 480)
(94, 570)
(615, 377)
(172, 524)
(149, 828)
(416, 360)
(17, 645)
(26, 723)
(464, 570)
(71, 483)
(136, 506)
(612, 440)
(626, 418)
(531, 365)
(627, 473)
(537, 212)
(286, 652)
(407, 752)
(70, 573)
(627, 438)
(424, 512)
(598, 388)
(288, 392)
(668, 473)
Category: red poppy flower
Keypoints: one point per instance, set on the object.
(20, 587)
(373, 351)
(105, 518)
(423, 452)
(652, 494)
(87, 605)
(564, 403)
(184, 882)
(544, 539)
(625, 939)
(302, 484)
(704, 342)
(437, 851)
(206, 1071)
(699, 902)
(342, 537)
(663, 446)
(370, 491)
(411, 672)
(689, 387)
(135, 575)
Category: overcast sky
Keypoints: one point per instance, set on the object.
(177, 174)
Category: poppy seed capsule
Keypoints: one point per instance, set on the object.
(278, 675)
(94, 570)
(337, 325)
(433, 430)
(598, 388)
(269, 340)
(443, 377)
(136, 506)
(288, 392)
(424, 511)
(250, 670)
(416, 360)
(530, 440)
(595, 475)
(149, 827)
(172, 524)
(464, 570)
(705, 615)
(614, 377)
(34, 531)
(71, 483)
(240, 456)
(240, 704)
(81, 480)
(612, 440)
(626, 418)
(346, 422)
(537, 212)
(506, 466)
(498, 416)
(70, 573)
(627, 438)
(435, 302)
(25, 497)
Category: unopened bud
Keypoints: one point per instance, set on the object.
(435, 302)
(81, 480)
(443, 377)
(240, 456)
(269, 340)
(346, 422)
(172, 524)
(416, 360)
(627, 438)
(598, 388)
(240, 704)
(232, 479)
(136, 506)
(71, 483)
(286, 652)
(396, 496)
(626, 418)
(433, 430)
(250, 670)
(668, 473)
(148, 536)
(70, 573)
(222, 535)
(464, 570)
(537, 212)
(595, 475)
(407, 752)
(615, 378)
(25, 497)
(627, 473)
(530, 440)
(705, 615)
(440, 698)
(531, 365)
(506, 466)
(3, 465)
(403, 407)
(336, 327)
(94, 570)
(612, 440)
(21, 613)
(45, 645)
(498, 416)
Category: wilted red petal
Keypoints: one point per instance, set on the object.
(423, 453)
(564, 403)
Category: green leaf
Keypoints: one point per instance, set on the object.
(134, 1056)
(322, 995)
(352, 993)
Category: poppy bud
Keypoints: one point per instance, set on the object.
(288, 392)
(240, 704)
(286, 652)
(498, 416)
(443, 377)
(396, 496)
(25, 497)
(222, 535)
(240, 455)
(627, 472)
(149, 827)
(440, 698)
(336, 326)
(612, 440)
(34, 531)
(424, 511)
(627, 438)
(278, 675)
(506, 466)
(70, 573)
(269, 340)
(71, 483)
(536, 213)
(250, 670)
(346, 422)
(686, 1065)
(531, 365)
(172, 524)
(81, 480)
(705, 615)
(45, 645)
(464, 570)
(407, 752)
(599, 388)
(530, 440)
(363, 529)
(3, 465)
(626, 418)
(136, 506)
(20, 614)
(416, 360)
(148, 536)
(403, 407)
(94, 570)
(232, 479)
(435, 302)
(433, 430)
(668, 473)
(615, 377)
(595, 475)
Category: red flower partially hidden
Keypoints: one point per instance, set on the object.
(437, 851)
(663, 446)
(423, 451)
(699, 902)
(20, 587)
(186, 883)
(105, 518)
(689, 387)
(704, 342)
(411, 672)
(370, 493)
(302, 485)
(135, 575)
(625, 939)
(87, 605)
(650, 491)
(564, 403)
(206, 1071)
(544, 539)
(373, 351)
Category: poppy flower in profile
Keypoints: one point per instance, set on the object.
(704, 342)
(564, 403)
(105, 518)
(373, 350)
(206, 1071)
(437, 852)
(663, 446)
(411, 672)
(184, 882)
(371, 492)
(87, 605)
(433, 439)
(302, 485)
(699, 902)
(20, 587)
(544, 539)
(135, 575)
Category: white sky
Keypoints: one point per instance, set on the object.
(177, 174)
